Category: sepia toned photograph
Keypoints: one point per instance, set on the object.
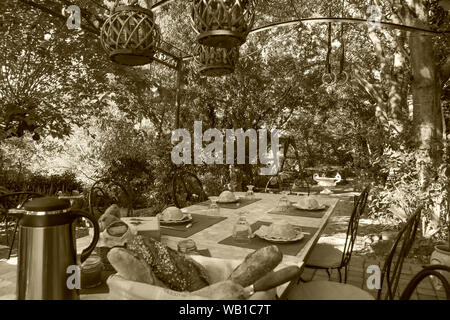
(246, 152)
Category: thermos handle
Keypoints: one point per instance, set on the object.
(86, 252)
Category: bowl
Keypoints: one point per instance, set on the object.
(308, 203)
(171, 214)
(282, 230)
(227, 196)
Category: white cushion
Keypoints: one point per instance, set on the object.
(327, 290)
(325, 256)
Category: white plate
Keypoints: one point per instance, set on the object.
(224, 202)
(186, 218)
(261, 234)
(321, 207)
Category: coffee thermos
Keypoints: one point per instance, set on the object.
(47, 254)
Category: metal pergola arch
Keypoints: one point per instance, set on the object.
(173, 61)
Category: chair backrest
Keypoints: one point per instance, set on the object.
(352, 229)
(390, 275)
(431, 270)
(301, 183)
(286, 181)
(104, 193)
(187, 189)
(15, 200)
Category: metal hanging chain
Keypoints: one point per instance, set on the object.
(328, 64)
(342, 40)
(329, 77)
(342, 62)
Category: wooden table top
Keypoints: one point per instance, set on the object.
(209, 238)
(258, 211)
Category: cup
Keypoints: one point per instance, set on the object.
(242, 232)
(250, 194)
(214, 207)
(284, 203)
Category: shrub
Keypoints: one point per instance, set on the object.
(402, 189)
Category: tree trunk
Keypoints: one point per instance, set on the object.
(426, 90)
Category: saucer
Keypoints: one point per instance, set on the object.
(262, 233)
(186, 218)
(321, 207)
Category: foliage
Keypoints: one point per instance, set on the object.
(45, 184)
(99, 119)
(396, 199)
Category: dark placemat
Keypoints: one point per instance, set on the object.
(292, 211)
(256, 243)
(199, 223)
(237, 205)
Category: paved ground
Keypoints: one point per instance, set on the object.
(334, 234)
(358, 275)
(366, 252)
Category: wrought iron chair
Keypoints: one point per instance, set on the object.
(291, 181)
(394, 262)
(431, 270)
(187, 189)
(14, 200)
(390, 275)
(106, 192)
(327, 257)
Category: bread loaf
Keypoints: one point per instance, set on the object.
(177, 271)
(130, 267)
(256, 265)
(113, 210)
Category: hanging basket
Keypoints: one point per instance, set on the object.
(222, 23)
(130, 35)
(216, 62)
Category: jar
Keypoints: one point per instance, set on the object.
(91, 272)
(187, 246)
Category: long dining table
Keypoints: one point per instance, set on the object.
(212, 237)
(258, 211)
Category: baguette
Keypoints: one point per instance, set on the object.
(256, 265)
(129, 267)
(177, 271)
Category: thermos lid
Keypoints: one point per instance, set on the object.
(46, 205)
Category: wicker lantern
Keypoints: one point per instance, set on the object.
(215, 62)
(222, 23)
(130, 35)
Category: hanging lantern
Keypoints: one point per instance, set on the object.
(222, 23)
(216, 62)
(130, 35)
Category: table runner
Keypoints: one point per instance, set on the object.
(292, 211)
(238, 205)
(199, 223)
(256, 243)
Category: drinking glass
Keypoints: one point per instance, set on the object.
(250, 194)
(214, 207)
(242, 232)
(284, 203)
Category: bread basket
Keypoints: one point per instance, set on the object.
(217, 269)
